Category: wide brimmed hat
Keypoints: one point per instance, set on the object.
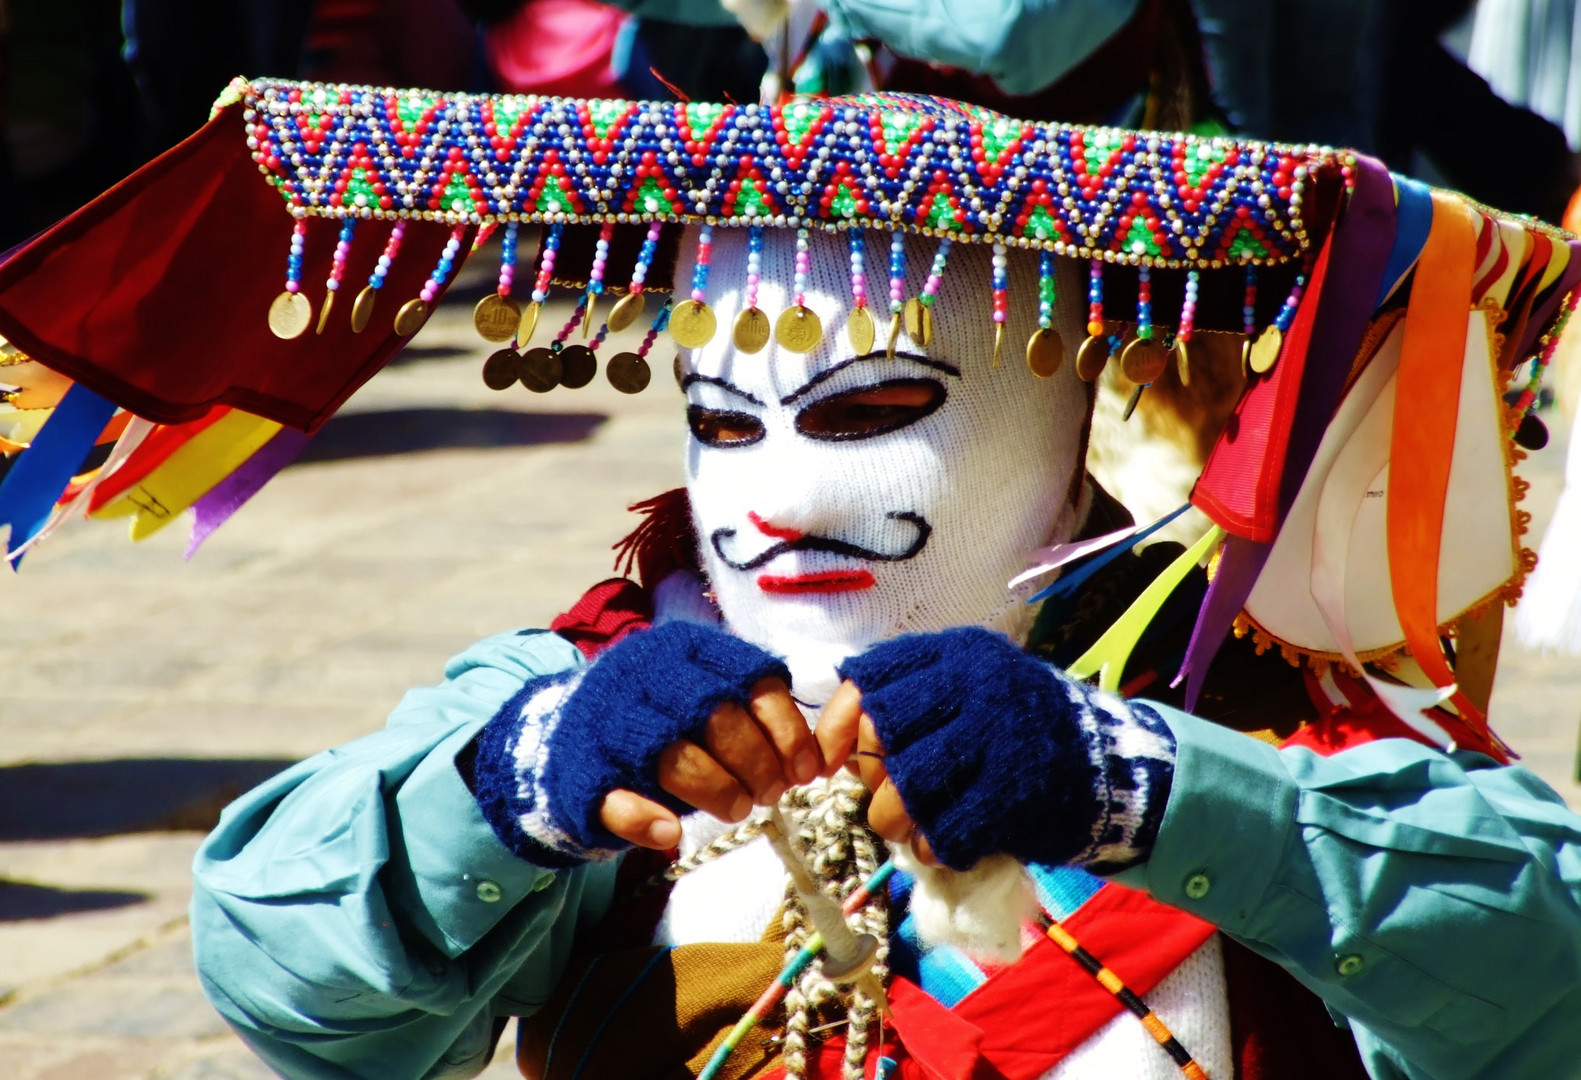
(194, 313)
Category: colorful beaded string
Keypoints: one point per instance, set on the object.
(1001, 290)
(859, 326)
(799, 330)
(752, 326)
(629, 307)
(362, 310)
(629, 372)
(595, 278)
(1094, 352)
(1265, 350)
(1187, 327)
(290, 313)
(337, 270)
(507, 259)
(1139, 1008)
(415, 312)
(548, 246)
(897, 286)
(1045, 350)
(692, 323)
(1248, 318)
(919, 312)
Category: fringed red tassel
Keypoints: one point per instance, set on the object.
(664, 541)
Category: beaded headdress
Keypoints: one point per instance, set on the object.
(1381, 322)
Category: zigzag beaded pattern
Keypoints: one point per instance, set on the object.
(924, 165)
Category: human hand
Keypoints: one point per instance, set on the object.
(747, 754)
(979, 748)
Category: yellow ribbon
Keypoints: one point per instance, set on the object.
(1108, 654)
(190, 473)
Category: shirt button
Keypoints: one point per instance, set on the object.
(489, 893)
(543, 883)
(1197, 886)
(1349, 964)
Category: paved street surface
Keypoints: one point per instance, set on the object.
(141, 692)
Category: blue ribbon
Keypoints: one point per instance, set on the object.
(33, 486)
(1413, 219)
(1067, 582)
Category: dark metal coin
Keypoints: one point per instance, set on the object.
(540, 370)
(578, 366)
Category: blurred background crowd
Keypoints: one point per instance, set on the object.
(1480, 96)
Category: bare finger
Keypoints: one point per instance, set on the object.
(639, 820)
(735, 741)
(688, 772)
(836, 730)
(786, 727)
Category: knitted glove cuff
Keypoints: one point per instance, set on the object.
(993, 750)
(548, 758)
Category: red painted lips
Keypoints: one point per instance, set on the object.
(829, 581)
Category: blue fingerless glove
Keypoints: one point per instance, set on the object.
(993, 750)
(551, 754)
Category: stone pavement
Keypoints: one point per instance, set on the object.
(141, 692)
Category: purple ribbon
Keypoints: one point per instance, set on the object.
(229, 495)
(1359, 253)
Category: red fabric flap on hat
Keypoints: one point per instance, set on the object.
(156, 295)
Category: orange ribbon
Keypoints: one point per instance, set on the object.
(1421, 451)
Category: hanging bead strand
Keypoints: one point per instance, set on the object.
(799, 330)
(1248, 319)
(859, 327)
(897, 287)
(628, 309)
(1265, 350)
(1094, 352)
(362, 310)
(1187, 329)
(919, 310)
(1045, 350)
(595, 278)
(549, 247)
(692, 322)
(751, 331)
(1001, 290)
(414, 313)
(337, 270)
(629, 372)
(1145, 359)
(497, 317)
(290, 314)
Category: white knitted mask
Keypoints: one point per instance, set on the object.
(816, 546)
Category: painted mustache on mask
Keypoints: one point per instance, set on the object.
(835, 547)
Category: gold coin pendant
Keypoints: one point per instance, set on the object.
(410, 319)
(627, 310)
(502, 369)
(798, 330)
(578, 365)
(529, 324)
(290, 315)
(1183, 360)
(692, 324)
(861, 332)
(540, 370)
(1091, 358)
(919, 322)
(1045, 353)
(1265, 350)
(628, 373)
(1144, 360)
(751, 331)
(323, 312)
(496, 318)
(362, 309)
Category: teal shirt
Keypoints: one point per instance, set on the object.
(356, 917)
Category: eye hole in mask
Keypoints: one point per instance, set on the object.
(871, 410)
(722, 427)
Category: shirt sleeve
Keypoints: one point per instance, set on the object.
(1023, 45)
(356, 916)
(1430, 899)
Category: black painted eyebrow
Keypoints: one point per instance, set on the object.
(713, 380)
(879, 354)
